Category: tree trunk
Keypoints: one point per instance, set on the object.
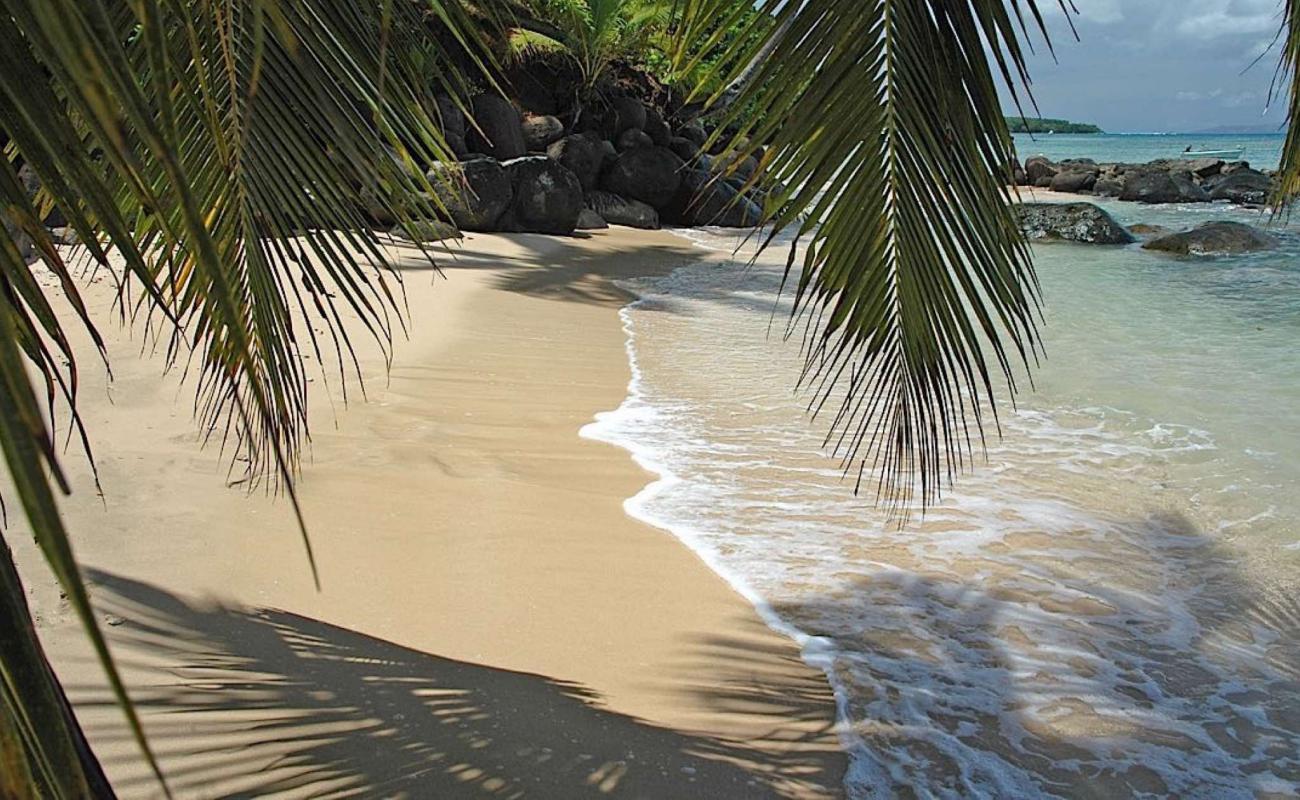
(43, 751)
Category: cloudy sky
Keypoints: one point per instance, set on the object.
(1160, 65)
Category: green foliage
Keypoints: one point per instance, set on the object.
(597, 32)
(1048, 125)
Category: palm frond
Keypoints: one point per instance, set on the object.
(883, 135)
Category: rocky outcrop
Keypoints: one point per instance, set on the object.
(626, 113)
(451, 122)
(694, 133)
(547, 197)
(649, 174)
(541, 130)
(618, 210)
(1244, 187)
(1144, 231)
(589, 220)
(1070, 222)
(1152, 186)
(702, 200)
(657, 129)
(685, 149)
(475, 193)
(1073, 181)
(497, 130)
(582, 154)
(632, 138)
(1039, 167)
(1214, 238)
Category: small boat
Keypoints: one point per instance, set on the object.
(1230, 153)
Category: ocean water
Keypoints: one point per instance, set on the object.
(1106, 606)
(1262, 150)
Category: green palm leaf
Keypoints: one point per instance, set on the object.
(885, 138)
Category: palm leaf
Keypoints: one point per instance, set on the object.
(219, 146)
(887, 147)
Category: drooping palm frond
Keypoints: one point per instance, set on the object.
(1288, 173)
(221, 148)
(882, 131)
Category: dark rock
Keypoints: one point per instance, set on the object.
(31, 182)
(618, 210)
(548, 197)
(1245, 187)
(1234, 166)
(1214, 238)
(1144, 231)
(26, 249)
(609, 153)
(541, 131)
(475, 193)
(685, 149)
(1016, 174)
(701, 200)
(694, 132)
(1154, 186)
(589, 220)
(451, 121)
(657, 129)
(426, 230)
(499, 132)
(1044, 182)
(1107, 186)
(1039, 167)
(741, 170)
(1071, 222)
(582, 154)
(1205, 167)
(1073, 181)
(631, 139)
(626, 113)
(649, 174)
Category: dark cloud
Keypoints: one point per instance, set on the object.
(1160, 65)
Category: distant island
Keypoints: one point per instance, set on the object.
(1047, 125)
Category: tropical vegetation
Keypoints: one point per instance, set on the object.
(232, 155)
(1049, 125)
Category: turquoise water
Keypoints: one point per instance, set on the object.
(1262, 150)
(1106, 606)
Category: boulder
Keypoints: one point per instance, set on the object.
(694, 132)
(1205, 167)
(626, 113)
(548, 197)
(451, 122)
(583, 154)
(589, 220)
(426, 230)
(1045, 182)
(1245, 187)
(1015, 173)
(618, 210)
(497, 130)
(1234, 166)
(1073, 181)
(649, 174)
(1070, 222)
(632, 138)
(656, 128)
(685, 149)
(741, 170)
(1108, 186)
(1039, 167)
(542, 130)
(1214, 238)
(475, 193)
(1145, 231)
(701, 200)
(1157, 186)
(31, 182)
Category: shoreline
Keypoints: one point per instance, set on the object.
(617, 636)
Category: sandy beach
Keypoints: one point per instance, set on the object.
(490, 621)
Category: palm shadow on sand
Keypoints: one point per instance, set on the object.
(262, 701)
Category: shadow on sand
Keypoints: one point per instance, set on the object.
(265, 702)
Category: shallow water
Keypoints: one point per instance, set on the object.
(1262, 150)
(1104, 607)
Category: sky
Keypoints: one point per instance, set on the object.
(1158, 65)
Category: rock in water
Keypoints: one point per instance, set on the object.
(548, 197)
(1070, 222)
(618, 210)
(589, 220)
(1108, 186)
(475, 193)
(583, 154)
(701, 200)
(1145, 231)
(649, 174)
(540, 131)
(1245, 187)
(1214, 238)
(499, 132)
(1154, 186)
